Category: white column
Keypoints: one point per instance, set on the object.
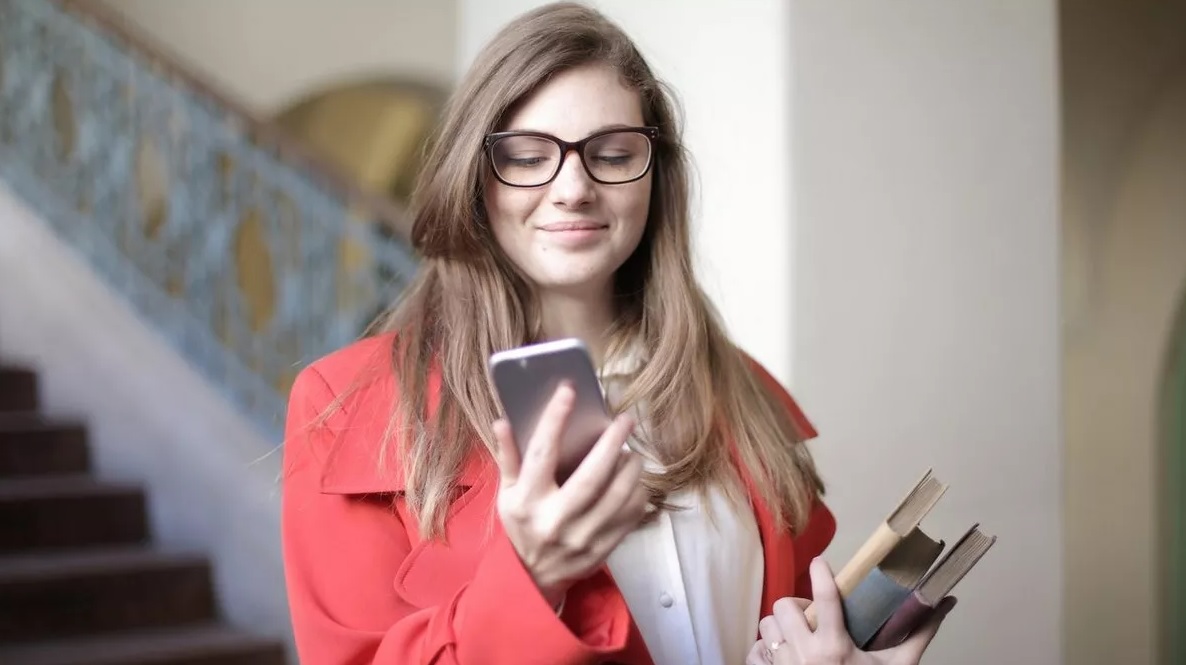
(728, 62)
(927, 274)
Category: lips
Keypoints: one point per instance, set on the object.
(557, 227)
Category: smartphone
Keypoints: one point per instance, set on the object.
(526, 378)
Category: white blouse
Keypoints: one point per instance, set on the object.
(694, 586)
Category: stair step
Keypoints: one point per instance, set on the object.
(33, 446)
(18, 389)
(203, 644)
(47, 596)
(59, 511)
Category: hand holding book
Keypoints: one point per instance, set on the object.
(888, 599)
(787, 639)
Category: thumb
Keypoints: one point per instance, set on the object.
(912, 649)
(506, 453)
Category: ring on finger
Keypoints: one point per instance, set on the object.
(772, 647)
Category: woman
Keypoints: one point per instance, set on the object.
(553, 204)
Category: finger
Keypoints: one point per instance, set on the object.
(911, 650)
(827, 605)
(788, 612)
(587, 483)
(773, 639)
(543, 450)
(770, 630)
(617, 512)
(506, 453)
(757, 655)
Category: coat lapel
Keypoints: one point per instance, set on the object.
(358, 467)
(779, 564)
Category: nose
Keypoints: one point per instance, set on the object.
(572, 186)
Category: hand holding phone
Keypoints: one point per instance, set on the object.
(526, 378)
(563, 526)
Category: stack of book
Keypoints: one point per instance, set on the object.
(898, 576)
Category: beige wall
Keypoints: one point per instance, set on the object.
(927, 198)
(269, 52)
(1124, 247)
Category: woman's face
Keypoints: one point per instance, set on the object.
(571, 234)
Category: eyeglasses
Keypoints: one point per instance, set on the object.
(531, 159)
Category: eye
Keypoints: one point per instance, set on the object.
(614, 160)
(525, 161)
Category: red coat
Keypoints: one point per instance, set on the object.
(364, 588)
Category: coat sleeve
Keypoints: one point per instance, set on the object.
(341, 555)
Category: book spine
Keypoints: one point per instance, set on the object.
(871, 604)
(905, 620)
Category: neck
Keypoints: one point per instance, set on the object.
(583, 316)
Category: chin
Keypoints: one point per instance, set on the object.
(571, 270)
(572, 284)
(572, 281)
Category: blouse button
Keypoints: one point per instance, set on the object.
(666, 600)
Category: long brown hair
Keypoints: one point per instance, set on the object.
(699, 390)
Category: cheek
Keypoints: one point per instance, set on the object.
(510, 204)
(506, 209)
(635, 206)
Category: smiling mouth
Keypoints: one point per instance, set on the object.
(559, 227)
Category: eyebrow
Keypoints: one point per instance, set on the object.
(616, 125)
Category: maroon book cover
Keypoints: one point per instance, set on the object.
(910, 615)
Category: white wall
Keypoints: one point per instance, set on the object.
(729, 65)
(211, 483)
(927, 288)
(267, 53)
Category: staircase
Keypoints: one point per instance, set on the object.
(238, 248)
(80, 583)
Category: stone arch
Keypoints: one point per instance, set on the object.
(374, 129)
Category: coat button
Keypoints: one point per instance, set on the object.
(666, 600)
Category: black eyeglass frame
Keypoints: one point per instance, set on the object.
(652, 133)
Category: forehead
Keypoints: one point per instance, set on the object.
(577, 102)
